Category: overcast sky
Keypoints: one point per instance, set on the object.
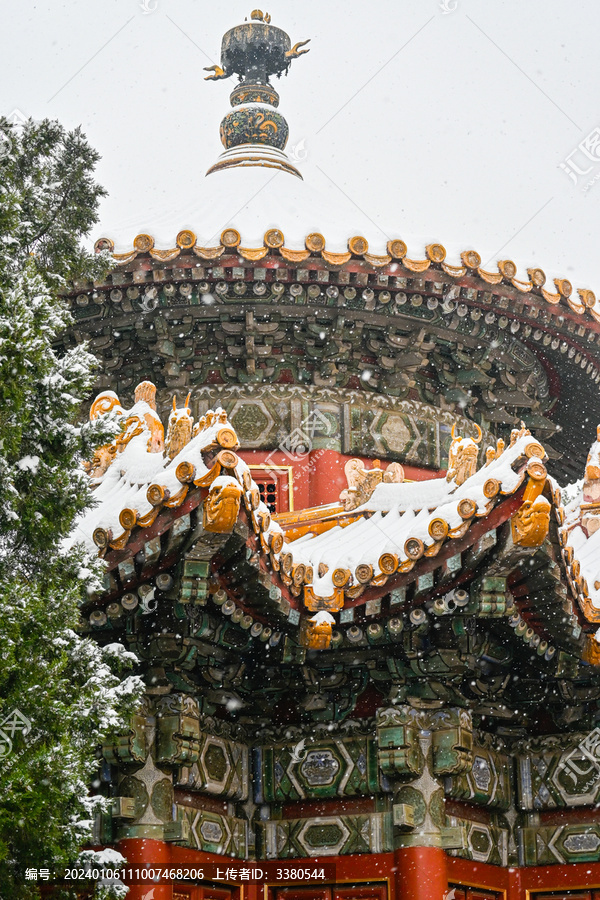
(451, 123)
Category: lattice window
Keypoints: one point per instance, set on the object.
(268, 494)
(273, 484)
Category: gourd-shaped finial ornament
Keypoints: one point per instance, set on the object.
(253, 132)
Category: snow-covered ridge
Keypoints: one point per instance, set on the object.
(403, 520)
(253, 201)
(580, 536)
(140, 473)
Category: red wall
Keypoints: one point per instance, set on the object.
(386, 870)
(319, 475)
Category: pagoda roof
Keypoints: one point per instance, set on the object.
(142, 477)
(258, 215)
(544, 340)
(402, 522)
(399, 535)
(580, 538)
(258, 242)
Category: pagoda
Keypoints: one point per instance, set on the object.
(334, 535)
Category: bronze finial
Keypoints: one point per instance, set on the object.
(255, 51)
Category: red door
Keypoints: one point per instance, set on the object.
(567, 895)
(332, 892)
(468, 893)
(189, 892)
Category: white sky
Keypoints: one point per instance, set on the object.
(448, 126)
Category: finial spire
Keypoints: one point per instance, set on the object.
(253, 133)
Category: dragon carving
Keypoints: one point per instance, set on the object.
(222, 506)
(143, 421)
(531, 521)
(179, 431)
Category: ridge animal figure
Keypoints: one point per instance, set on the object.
(590, 508)
(105, 402)
(362, 482)
(530, 524)
(179, 431)
(144, 420)
(222, 506)
(462, 457)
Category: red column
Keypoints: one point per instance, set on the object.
(252, 891)
(515, 889)
(420, 873)
(146, 853)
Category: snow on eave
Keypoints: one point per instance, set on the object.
(400, 521)
(139, 483)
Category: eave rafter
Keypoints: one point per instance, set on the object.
(391, 328)
(470, 274)
(230, 577)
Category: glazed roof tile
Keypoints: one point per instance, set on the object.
(405, 520)
(397, 525)
(581, 300)
(139, 481)
(580, 539)
(335, 553)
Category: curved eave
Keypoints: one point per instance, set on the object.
(455, 301)
(287, 611)
(467, 272)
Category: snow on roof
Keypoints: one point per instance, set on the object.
(256, 200)
(134, 478)
(405, 519)
(252, 200)
(580, 537)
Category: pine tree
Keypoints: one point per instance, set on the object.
(60, 694)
